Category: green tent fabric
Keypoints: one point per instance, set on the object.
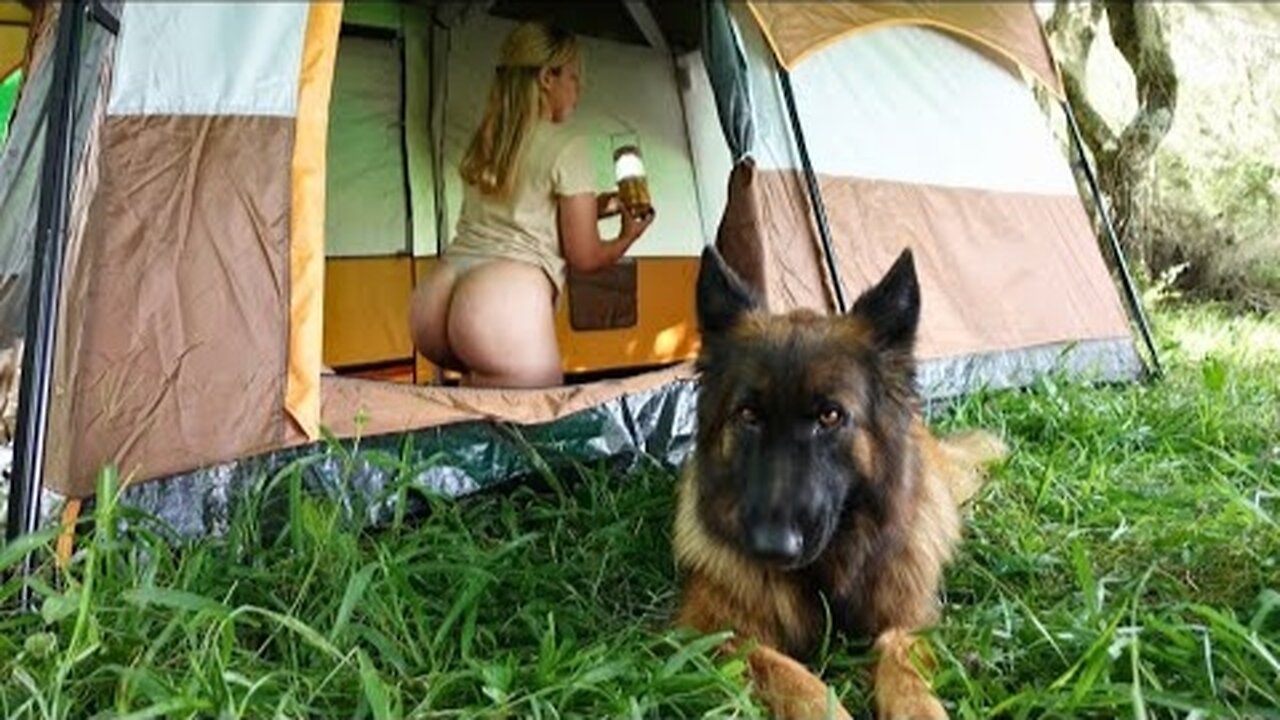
(727, 71)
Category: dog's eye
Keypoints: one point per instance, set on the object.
(748, 415)
(830, 418)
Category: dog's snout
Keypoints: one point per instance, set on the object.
(778, 543)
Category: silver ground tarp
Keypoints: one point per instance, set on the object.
(374, 477)
(1100, 361)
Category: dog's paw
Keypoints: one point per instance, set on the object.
(918, 705)
(901, 692)
(790, 689)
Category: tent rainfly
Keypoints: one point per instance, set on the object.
(204, 205)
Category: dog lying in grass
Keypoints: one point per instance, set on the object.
(816, 485)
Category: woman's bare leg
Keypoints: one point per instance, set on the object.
(502, 326)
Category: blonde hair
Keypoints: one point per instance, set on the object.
(515, 104)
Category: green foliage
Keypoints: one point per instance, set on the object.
(516, 604)
(1122, 563)
(8, 97)
(1215, 231)
(1208, 217)
(1216, 200)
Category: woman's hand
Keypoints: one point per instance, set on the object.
(580, 240)
(608, 204)
(633, 226)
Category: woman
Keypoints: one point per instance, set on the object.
(528, 209)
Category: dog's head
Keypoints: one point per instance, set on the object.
(802, 418)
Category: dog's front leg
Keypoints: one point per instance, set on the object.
(901, 692)
(789, 689)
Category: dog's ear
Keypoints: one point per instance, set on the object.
(722, 296)
(892, 307)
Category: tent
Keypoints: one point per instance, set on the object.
(239, 195)
(15, 21)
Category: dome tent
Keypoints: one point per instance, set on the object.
(255, 187)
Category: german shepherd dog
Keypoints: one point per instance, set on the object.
(815, 487)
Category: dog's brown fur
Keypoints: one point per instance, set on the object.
(880, 568)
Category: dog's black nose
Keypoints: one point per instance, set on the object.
(778, 543)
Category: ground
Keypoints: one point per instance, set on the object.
(1123, 563)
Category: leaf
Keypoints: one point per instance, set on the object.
(697, 647)
(60, 606)
(375, 691)
(168, 708)
(41, 645)
(12, 553)
(303, 630)
(175, 599)
(356, 587)
(386, 649)
(476, 584)
(1268, 601)
(1214, 374)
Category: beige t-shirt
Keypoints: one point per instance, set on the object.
(524, 226)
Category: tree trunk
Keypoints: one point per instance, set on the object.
(1073, 27)
(1124, 162)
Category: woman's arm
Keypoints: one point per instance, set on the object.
(580, 240)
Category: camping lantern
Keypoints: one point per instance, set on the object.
(633, 184)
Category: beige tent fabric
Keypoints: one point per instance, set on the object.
(998, 271)
(184, 310)
(768, 236)
(69, 333)
(182, 286)
(797, 29)
(366, 407)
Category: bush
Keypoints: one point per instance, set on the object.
(1215, 230)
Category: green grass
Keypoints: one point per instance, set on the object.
(1123, 563)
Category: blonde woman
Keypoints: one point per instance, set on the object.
(529, 209)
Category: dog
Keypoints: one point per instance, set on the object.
(815, 487)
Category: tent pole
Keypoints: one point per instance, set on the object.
(815, 193)
(1130, 288)
(27, 482)
(99, 13)
(406, 177)
(642, 16)
(440, 45)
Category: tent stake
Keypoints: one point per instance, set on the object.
(1130, 288)
(27, 482)
(815, 193)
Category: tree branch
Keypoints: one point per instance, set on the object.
(1073, 28)
(1137, 33)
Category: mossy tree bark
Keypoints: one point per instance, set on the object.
(1124, 161)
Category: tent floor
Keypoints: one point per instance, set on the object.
(403, 371)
